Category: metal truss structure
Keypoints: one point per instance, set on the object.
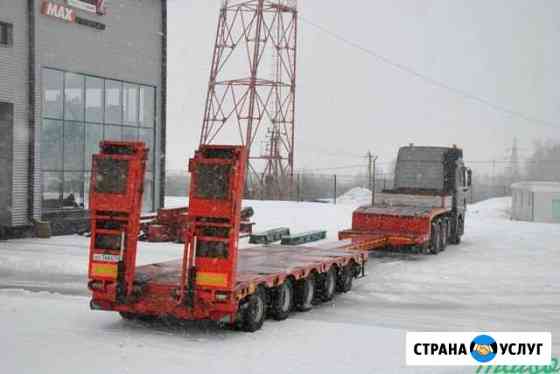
(251, 91)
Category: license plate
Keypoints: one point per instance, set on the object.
(106, 258)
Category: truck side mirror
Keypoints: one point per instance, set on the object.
(469, 177)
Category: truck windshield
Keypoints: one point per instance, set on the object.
(420, 168)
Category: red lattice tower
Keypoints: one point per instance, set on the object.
(251, 92)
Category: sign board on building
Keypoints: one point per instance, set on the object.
(92, 6)
(67, 14)
(58, 11)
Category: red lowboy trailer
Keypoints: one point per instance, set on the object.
(214, 279)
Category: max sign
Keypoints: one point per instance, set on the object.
(59, 11)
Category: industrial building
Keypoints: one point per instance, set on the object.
(73, 73)
(536, 201)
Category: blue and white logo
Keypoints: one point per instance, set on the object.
(484, 348)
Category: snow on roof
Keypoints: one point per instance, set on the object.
(537, 186)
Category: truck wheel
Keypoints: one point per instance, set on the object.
(435, 239)
(327, 285)
(252, 317)
(444, 234)
(283, 300)
(304, 293)
(344, 279)
(456, 231)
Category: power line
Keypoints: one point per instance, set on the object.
(434, 82)
(333, 168)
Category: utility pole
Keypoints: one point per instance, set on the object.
(494, 178)
(371, 175)
(369, 156)
(334, 190)
(373, 183)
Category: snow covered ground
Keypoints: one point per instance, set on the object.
(504, 276)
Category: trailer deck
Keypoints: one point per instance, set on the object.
(393, 226)
(156, 285)
(268, 265)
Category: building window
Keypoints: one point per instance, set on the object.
(130, 104)
(51, 145)
(147, 106)
(94, 99)
(6, 34)
(113, 102)
(79, 111)
(73, 97)
(53, 83)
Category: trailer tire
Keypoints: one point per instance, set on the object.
(128, 316)
(345, 278)
(435, 239)
(254, 312)
(283, 300)
(137, 317)
(304, 293)
(327, 285)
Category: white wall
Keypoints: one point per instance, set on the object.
(543, 206)
(533, 206)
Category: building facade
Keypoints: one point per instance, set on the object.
(536, 201)
(73, 73)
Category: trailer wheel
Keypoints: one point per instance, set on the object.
(304, 293)
(137, 317)
(344, 279)
(435, 241)
(327, 286)
(283, 300)
(128, 316)
(254, 313)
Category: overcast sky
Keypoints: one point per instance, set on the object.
(504, 51)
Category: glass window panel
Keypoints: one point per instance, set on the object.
(148, 197)
(129, 134)
(113, 133)
(147, 106)
(130, 104)
(51, 145)
(94, 99)
(73, 191)
(73, 146)
(74, 97)
(94, 135)
(52, 190)
(87, 183)
(52, 93)
(6, 34)
(113, 102)
(147, 136)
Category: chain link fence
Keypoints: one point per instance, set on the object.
(331, 187)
